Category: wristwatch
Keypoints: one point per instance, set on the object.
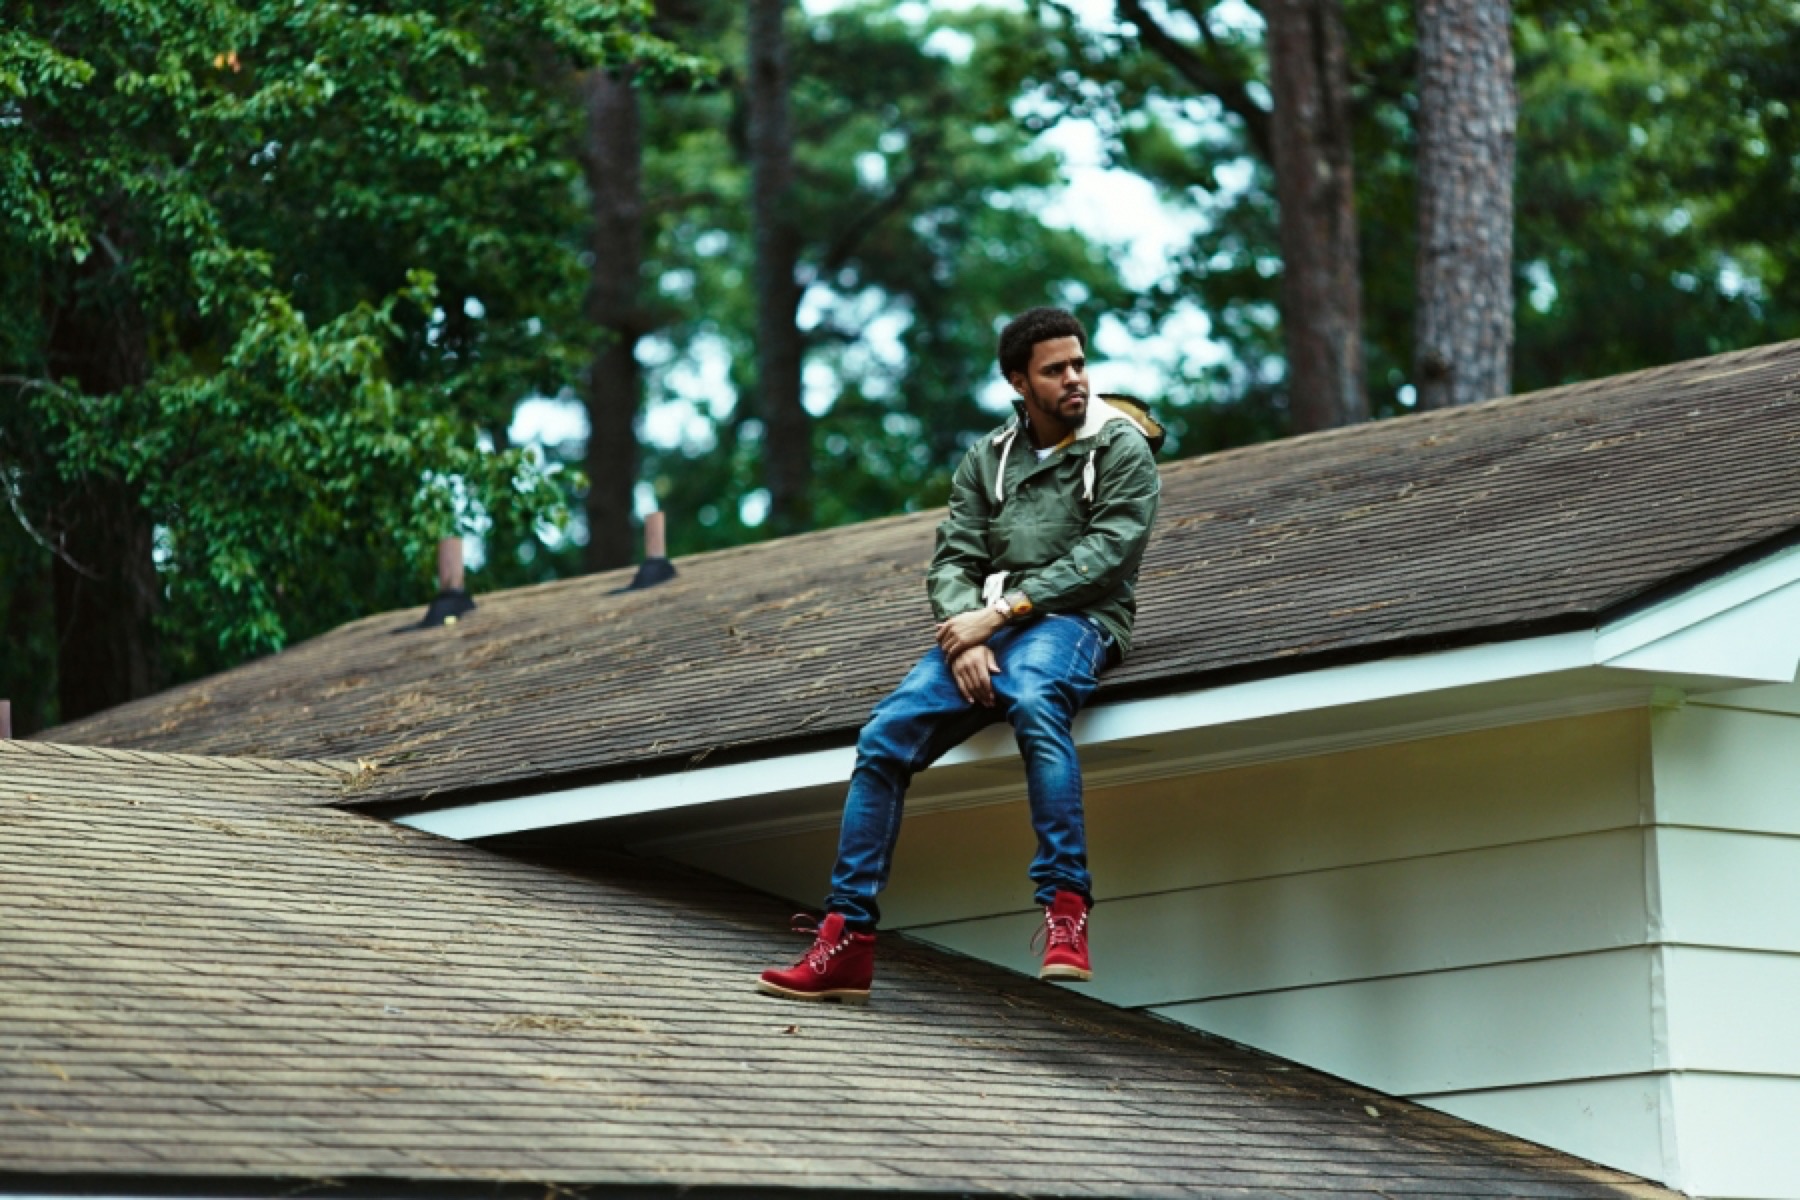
(1014, 605)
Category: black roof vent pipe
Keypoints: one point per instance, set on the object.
(452, 600)
(656, 567)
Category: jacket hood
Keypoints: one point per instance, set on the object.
(1113, 406)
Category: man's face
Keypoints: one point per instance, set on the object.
(1054, 384)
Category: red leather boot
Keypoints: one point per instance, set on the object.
(1065, 939)
(840, 966)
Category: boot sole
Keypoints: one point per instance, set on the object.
(1066, 974)
(836, 995)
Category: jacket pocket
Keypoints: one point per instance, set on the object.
(1025, 540)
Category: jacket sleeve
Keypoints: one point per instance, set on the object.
(960, 562)
(1126, 489)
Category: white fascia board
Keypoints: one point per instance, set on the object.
(1335, 687)
(1741, 628)
(1332, 687)
(1756, 642)
(628, 797)
(1743, 625)
(1340, 687)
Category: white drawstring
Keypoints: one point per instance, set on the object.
(1006, 443)
(1087, 476)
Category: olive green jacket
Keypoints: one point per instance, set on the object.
(1068, 531)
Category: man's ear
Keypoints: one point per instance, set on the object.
(1017, 379)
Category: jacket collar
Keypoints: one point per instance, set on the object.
(1099, 412)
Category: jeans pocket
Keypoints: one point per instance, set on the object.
(1089, 652)
(1100, 647)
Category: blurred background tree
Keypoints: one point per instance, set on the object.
(275, 276)
(914, 198)
(288, 292)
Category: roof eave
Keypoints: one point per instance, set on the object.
(1738, 629)
(127, 1185)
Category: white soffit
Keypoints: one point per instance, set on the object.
(1743, 628)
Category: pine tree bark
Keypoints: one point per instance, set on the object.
(612, 158)
(1321, 285)
(104, 585)
(787, 428)
(27, 606)
(106, 649)
(1468, 118)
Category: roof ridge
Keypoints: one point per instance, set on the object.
(1501, 520)
(316, 768)
(1370, 428)
(1285, 445)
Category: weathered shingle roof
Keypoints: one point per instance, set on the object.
(1519, 516)
(84, 770)
(205, 973)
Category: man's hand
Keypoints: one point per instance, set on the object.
(973, 671)
(966, 630)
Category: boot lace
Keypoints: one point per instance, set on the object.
(1060, 931)
(819, 956)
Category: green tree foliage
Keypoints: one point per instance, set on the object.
(918, 190)
(274, 276)
(271, 272)
(1201, 138)
(1659, 152)
(1656, 155)
(1656, 152)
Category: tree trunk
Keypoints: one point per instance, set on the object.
(105, 585)
(106, 652)
(612, 156)
(1321, 288)
(1468, 116)
(28, 670)
(787, 428)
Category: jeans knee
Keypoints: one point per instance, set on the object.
(880, 745)
(871, 746)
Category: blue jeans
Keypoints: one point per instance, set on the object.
(1048, 669)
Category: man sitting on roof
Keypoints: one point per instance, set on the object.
(1033, 586)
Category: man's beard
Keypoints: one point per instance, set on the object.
(1057, 407)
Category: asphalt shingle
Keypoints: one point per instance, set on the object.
(208, 971)
(1532, 514)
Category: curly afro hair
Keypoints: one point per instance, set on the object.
(1030, 327)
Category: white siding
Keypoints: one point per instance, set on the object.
(1734, 1011)
(1779, 698)
(1728, 768)
(1727, 853)
(1433, 913)
(1616, 1121)
(1501, 1026)
(1453, 917)
(1739, 890)
(1583, 931)
(1738, 1135)
(1409, 800)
